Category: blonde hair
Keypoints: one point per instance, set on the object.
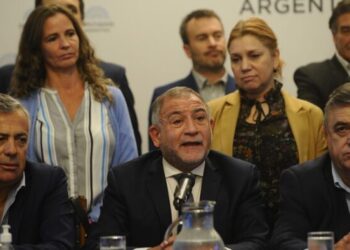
(258, 28)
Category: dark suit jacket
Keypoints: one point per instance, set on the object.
(309, 202)
(136, 202)
(189, 82)
(41, 216)
(316, 81)
(113, 71)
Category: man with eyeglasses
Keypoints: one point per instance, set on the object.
(138, 201)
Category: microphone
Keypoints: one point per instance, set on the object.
(183, 190)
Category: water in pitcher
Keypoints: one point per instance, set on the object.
(198, 245)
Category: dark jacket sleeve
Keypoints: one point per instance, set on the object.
(5, 78)
(307, 89)
(292, 224)
(53, 217)
(118, 75)
(114, 214)
(250, 228)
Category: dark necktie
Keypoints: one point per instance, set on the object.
(183, 192)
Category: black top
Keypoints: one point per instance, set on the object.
(268, 143)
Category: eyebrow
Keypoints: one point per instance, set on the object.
(72, 7)
(15, 135)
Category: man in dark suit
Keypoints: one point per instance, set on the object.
(138, 201)
(113, 71)
(33, 197)
(315, 196)
(202, 34)
(316, 81)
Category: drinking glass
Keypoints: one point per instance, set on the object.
(115, 242)
(320, 240)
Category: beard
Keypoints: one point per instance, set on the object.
(202, 63)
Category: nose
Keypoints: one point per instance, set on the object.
(64, 42)
(212, 41)
(245, 65)
(10, 148)
(191, 127)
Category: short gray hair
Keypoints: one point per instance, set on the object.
(9, 104)
(340, 97)
(176, 92)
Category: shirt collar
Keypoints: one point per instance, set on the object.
(202, 81)
(343, 62)
(170, 170)
(338, 182)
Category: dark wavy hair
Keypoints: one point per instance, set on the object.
(342, 8)
(30, 73)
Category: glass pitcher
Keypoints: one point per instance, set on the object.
(197, 231)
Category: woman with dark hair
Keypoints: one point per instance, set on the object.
(79, 121)
(260, 123)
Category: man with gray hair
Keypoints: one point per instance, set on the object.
(140, 200)
(315, 196)
(33, 196)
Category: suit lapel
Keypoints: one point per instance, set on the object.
(17, 209)
(211, 182)
(191, 82)
(340, 216)
(339, 75)
(230, 86)
(158, 192)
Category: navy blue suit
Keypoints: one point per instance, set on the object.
(136, 202)
(188, 82)
(41, 216)
(309, 202)
(316, 81)
(113, 71)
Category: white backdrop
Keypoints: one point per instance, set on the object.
(143, 36)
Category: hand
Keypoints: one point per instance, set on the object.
(343, 243)
(165, 245)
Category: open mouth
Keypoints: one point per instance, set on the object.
(195, 143)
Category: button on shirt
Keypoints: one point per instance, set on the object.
(338, 182)
(208, 90)
(169, 172)
(83, 147)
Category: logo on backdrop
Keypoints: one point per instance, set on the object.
(255, 7)
(97, 19)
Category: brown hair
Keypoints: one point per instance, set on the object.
(196, 14)
(258, 28)
(29, 74)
